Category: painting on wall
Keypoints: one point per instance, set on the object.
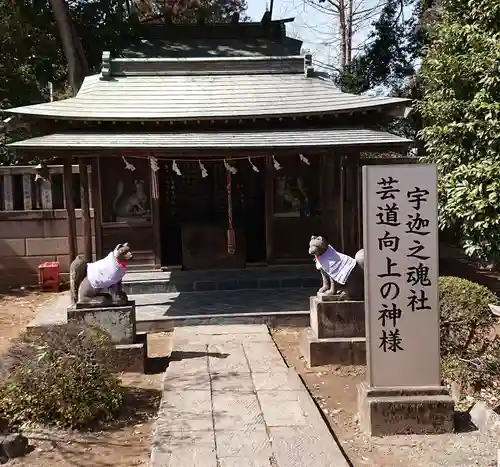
(291, 197)
(126, 193)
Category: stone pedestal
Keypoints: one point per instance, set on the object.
(399, 411)
(118, 321)
(337, 333)
(129, 349)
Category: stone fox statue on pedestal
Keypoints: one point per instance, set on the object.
(100, 283)
(338, 268)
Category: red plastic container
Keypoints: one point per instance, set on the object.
(49, 276)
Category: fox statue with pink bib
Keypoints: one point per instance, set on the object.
(100, 283)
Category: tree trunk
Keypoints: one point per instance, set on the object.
(343, 34)
(349, 32)
(73, 50)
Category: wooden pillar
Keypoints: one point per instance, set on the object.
(330, 170)
(97, 205)
(70, 207)
(85, 197)
(351, 196)
(342, 204)
(155, 212)
(269, 208)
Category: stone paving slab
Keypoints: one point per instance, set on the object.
(254, 412)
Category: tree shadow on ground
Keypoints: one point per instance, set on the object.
(178, 355)
(463, 422)
(157, 365)
(139, 406)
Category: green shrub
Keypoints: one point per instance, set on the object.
(60, 376)
(470, 350)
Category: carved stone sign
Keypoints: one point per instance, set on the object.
(401, 274)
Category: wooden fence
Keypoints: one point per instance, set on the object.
(20, 192)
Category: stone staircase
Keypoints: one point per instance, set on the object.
(274, 295)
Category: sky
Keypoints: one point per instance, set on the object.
(318, 30)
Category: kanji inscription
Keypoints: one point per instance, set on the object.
(401, 271)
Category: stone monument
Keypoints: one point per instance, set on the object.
(98, 300)
(337, 316)
(403, 392)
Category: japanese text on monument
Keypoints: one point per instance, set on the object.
(401, 247)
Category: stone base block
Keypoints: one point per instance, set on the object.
(129, 358)
(399, 411)
(118, 321)
(337, 318)
(332, 350)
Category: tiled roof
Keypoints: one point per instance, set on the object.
(206, 88)
(214, 140)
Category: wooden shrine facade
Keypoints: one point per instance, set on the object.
(182, 148)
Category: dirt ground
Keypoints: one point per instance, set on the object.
(127, 443)
(335, 390)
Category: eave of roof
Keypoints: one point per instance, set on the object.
(337, 137)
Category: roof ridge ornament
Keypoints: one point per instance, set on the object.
(106, 66)
(308, 65)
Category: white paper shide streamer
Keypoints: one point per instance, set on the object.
(254, 167)
(276, 164)
(230, 168)
(153, 162)
(203, 170)
(128, 165)
(176, 169)
(304, 159)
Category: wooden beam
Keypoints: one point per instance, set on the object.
(341, 203)
(70, 208)
(85, 197)
(269, 208)
(97, 205)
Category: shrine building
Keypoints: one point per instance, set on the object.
(215, 146)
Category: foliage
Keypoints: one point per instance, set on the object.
(59, 376)
(470, 355)
(187, 11)
(461, 112)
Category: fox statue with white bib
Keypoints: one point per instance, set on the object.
(338, 268)
(100, 283)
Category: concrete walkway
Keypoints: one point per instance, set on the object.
(230, 401)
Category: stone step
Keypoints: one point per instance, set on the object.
(274, 277)
(161, 312)
(276, 319)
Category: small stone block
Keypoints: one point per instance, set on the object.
(13, 445)
(333, 350)
(118, 321)
(129, 358)
(337, 318)
(401, 411)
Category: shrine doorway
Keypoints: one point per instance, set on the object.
(194, 214)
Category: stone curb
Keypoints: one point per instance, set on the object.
(314, 416)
